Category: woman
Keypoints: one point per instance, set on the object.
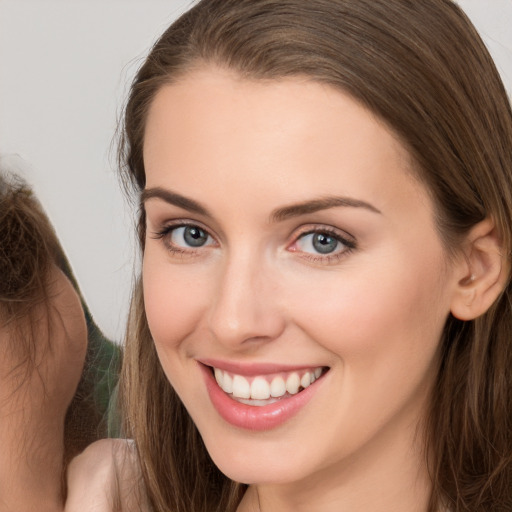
(324, 316)
(57, 369)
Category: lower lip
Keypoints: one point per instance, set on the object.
(252, 417)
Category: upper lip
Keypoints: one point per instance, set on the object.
(250, 369)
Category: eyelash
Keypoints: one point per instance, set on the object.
(348, 242)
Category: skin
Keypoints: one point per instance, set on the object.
(257, 291)
(104, 478)
(33, 403)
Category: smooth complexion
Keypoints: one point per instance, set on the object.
(235, 278)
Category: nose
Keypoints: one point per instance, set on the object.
(245, 308)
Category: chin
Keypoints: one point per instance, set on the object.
(263, 473)
(258, 461)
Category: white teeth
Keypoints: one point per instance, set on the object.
(306, 380)
(227, 383)
(260, 389)
(293, 383)
(277, 387)
(241, 387)
(257, 403)
(219, 377)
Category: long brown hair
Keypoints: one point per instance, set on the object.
(422, 68)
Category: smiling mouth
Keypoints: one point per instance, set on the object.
(261, 390)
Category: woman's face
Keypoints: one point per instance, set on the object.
(289, 246)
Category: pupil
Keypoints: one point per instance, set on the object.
(323, 243)
(195, 237)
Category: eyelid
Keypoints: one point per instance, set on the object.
(324, 228)
(168, 225)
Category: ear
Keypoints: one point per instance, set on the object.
(482, 272)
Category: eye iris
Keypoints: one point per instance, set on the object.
(323, 243)
(194, 236)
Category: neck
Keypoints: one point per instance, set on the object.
(31, 458)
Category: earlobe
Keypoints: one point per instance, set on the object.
(483, 272)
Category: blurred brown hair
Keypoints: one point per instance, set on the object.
(29, 248)
(422, 68)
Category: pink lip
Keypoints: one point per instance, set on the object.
(251, 417)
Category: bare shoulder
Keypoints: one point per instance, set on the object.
(106, 477)
(104, 456)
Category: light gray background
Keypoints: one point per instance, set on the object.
(64, 70)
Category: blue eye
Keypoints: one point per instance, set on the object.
(185, 239)
(322, 243)
(189, 236)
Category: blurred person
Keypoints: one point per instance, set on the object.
(57, 370)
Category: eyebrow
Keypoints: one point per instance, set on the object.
(316, 205)
(175, 199)
(278, 215)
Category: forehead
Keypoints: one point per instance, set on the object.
(308, 136)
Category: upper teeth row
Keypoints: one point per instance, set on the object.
(260, 388)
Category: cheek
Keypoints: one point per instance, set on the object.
(174, 299)
(382, 331)
(392, 313)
